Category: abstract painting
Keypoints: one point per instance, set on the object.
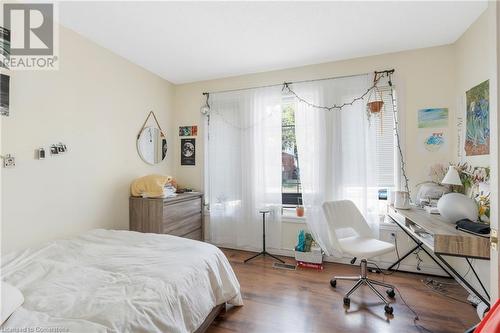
(188, 130)
(433, 118)
(4, 94)
(477, 137)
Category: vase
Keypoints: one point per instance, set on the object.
(299, 211)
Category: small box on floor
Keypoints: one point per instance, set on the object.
(307, 253)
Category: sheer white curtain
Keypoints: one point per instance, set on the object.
(336, 151)
(244, 167)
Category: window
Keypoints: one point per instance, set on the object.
(386, 147)
(291, 190)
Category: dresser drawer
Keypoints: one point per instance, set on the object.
(173, 212)
(182, 226)
(196, 235)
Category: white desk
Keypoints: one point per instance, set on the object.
(442, 239)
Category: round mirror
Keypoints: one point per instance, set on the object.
(152, 145)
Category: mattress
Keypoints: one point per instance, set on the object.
(119, 281)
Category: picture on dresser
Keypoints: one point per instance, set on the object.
(188, 151)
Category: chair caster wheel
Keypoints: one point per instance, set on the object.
(388, 309)
(347, 301)
(390, 293)
(333, 283)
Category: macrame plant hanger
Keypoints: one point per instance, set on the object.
(151, 113)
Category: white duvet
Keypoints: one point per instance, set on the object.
(119, 281)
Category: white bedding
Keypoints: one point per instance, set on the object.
(119, 281)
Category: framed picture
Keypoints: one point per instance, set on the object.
(4, 94)
(188, 130)
(477, 137)
(4, 47)
(188, 151)
(433, 118)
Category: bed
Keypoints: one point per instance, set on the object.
(120, 281)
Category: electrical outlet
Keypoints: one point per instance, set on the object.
(9, 161)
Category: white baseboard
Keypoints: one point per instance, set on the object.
(345, 260)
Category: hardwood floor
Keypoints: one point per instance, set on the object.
(302, 301)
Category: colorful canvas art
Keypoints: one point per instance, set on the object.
(433, 118)
(188, 130)
(477, 137)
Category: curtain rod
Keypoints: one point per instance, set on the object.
(387, 71)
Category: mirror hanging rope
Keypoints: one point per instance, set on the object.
(152, 142)
(151, 113)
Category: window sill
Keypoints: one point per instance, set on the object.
(289, 216)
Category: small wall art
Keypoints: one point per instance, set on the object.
(477, 135)
(188, 151)
(433, 118)
(432, 140)
(188, 130)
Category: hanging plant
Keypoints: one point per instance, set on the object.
(375, 105)
(375, 101)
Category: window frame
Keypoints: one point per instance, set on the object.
(293, 199)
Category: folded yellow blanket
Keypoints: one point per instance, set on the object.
(150, 186)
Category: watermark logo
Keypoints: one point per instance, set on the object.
(29, 37)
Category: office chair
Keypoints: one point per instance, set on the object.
(345, 215)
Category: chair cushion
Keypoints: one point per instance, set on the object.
(364, 247)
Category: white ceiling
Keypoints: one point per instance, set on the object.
(192, 41)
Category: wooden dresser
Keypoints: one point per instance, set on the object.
(179, 216)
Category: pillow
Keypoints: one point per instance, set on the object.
(11, 299)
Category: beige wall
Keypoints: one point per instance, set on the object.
(95, 103)
(475, 54)
(425, 78)
(476, 62)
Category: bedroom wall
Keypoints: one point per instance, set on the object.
(96, 104)
(425, 78)
(475, 53)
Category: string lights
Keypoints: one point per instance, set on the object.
(339, 107)
(378, 75)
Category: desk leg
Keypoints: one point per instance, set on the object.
(477, 277)
(403, 257)
(419, 245)
(464, 281)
